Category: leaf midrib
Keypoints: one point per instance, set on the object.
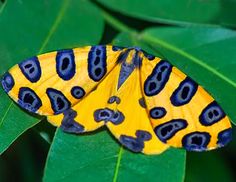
(148, 38)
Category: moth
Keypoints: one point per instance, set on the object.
(147, 103)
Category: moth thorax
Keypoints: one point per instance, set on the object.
(130, 57)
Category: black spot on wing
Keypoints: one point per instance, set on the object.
(211, 114)
(167, 130)
(28, 99)
(31, 69)
(108, 115)
(156, 81)
(77, 92)
(69, 125)
(142, 102)
(65, 64)
(7, 82)
(196, 141)
(184, 93)
(157, 112)
(59, 102)
(135, 144)
(224, 137)
(97, 66)
(113, 99)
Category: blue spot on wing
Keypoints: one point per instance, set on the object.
(143, 135)
(108, 115)
(31, 69)
(77, 92)
(135, 144)
(167, 130)
(28, 99)
(7, 82)
(113, 99)
(131, 143)
(117, 48)
(59, 102)
(156, 81)
(97, 66)
(157, 112)
(224, 137)
(69, 124)
(65, 64)
(184, 93)
(142, 103)
(211, 114)
(196, 141)
(148, 56)
(103, 114)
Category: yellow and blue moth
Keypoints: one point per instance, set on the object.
(146, 102)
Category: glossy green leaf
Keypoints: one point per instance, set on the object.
(205, 54)
(12, 126)
(201, 53)
(177, 12)
(99, 157)
(29, 28)
(208, 166)
(37, 27)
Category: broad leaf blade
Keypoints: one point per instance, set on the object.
(95, 157)
(11, 127)
(37, 27)
(208, 166)
(209, 60)
(177, 12)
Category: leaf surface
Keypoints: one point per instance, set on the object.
(34, 28)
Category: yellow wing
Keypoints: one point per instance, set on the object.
(119, 109)
(182, 113)
(133, 129)
(145, 102)
(80, 118)
(52, 83)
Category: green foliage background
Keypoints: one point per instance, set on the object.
(197, 36)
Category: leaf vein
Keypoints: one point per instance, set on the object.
(55, 24)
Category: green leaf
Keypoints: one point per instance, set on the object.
(13, 121)
(207, 166)
(99, 157)
(37, 27)
(177, 12)
(199, 52)
(29, 28)
(205, 54)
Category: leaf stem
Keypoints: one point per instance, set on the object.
(118, 164)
